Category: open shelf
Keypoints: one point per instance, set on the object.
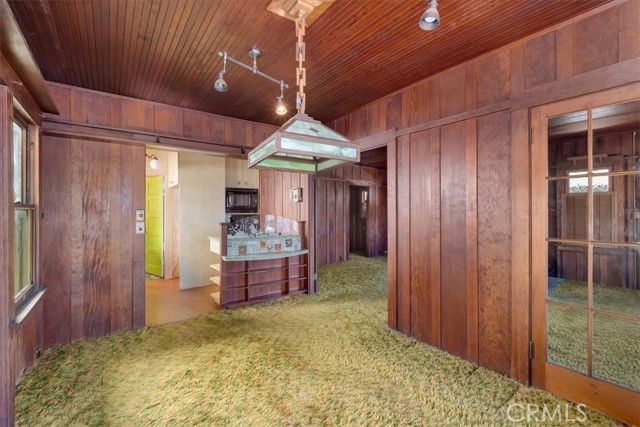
(257, 277)
(263, 284)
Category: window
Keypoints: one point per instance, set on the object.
(23, 208)
(579, 182)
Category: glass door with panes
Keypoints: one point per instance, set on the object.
(586, 251)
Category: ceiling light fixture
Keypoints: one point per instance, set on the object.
(281, 109)
(255, 53)
(303, 144)
(221, 85)
(430, 20)
(154, 163)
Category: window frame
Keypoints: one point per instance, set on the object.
(28, 202)
(603, 172)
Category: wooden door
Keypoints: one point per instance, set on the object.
(154, 226)
(358, 212)
(585, 256)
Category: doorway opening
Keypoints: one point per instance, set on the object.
(358, 212)
(351, 209)
(184, 206)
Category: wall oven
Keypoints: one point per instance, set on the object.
(241, 200)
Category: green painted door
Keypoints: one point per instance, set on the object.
(154, 226)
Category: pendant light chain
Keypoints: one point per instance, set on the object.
(301, 78)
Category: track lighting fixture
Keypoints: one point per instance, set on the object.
(430, 20)
(281, 109)
(255, 53)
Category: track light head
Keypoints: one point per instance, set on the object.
(221, 85)
(430, 20)
(281, 109)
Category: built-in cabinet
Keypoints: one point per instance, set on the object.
(238, 174)
(255, 269)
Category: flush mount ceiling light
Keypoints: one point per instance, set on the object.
(430, 20)
(303, 144)
(221, 85)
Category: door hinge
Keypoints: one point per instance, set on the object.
(531, 348)
(315, 276)
(530, 135)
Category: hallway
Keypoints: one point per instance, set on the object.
(166, 302)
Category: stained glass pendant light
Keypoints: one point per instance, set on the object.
(303, 144)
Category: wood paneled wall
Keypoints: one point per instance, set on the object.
(92, 183)
(105, 115)
(274, 199)
(92, 259)
(459, 262)
(332, 212)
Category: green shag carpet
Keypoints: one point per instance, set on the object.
(320, 360)
(616, 341)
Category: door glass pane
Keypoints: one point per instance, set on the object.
(615, 145)
(567, 143)
(616, 281)
(567, 212)
(22, 249)
(616, 213)
(567, 274)
(567, 337)
(616, 350)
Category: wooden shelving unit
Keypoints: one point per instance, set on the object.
(256, 278)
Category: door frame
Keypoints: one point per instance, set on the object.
(613, 400)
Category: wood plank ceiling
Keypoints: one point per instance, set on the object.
(358, 51)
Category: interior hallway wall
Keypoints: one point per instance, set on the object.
(202, 192)
(458, 181)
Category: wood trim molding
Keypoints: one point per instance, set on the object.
(490, 109)
(15, 49)
(619, 74)
(376, 140)
(58, 127)
(7, 386)
(381, 139)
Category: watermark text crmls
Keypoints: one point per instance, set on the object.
(562, 412)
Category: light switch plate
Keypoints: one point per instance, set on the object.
(296, 195)
(139, 214)
(139, 227)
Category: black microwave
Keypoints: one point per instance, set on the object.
(241, 200)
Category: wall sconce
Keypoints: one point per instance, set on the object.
(154, 163)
